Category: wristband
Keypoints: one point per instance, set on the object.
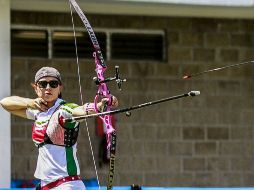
(89, 107)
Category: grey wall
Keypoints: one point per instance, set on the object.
(201, 141)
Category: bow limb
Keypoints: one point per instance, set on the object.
(80, 89)
(103, 92)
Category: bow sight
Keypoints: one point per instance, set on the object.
(117, 78)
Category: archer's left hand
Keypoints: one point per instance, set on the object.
(107, 102)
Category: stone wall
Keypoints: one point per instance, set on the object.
(204, 141)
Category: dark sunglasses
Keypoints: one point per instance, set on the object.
(52, 84)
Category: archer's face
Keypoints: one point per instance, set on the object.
(48, 88)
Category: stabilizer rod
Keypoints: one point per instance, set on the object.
(126, 110)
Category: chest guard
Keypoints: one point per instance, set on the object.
(55, 131)
(71, 130)
(69, 136)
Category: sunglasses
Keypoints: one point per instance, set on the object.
(52, 84)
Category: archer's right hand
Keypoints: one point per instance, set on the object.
(39, 104)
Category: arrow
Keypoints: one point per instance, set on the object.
(216, 69)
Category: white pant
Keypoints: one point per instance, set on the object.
(71, 185)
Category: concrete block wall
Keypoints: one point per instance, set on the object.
(204, 141)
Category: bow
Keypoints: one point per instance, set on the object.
(102, 92)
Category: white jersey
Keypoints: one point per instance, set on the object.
(54, 161)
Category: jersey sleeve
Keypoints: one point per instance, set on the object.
(66, 111)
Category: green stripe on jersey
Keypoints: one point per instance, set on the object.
(71, 164)
(70, 125)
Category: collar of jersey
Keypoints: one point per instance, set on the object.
(51, 110)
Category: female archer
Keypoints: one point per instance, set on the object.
(57, 164)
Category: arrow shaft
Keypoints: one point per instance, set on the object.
(217, 69)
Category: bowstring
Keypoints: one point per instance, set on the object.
(81, 95)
